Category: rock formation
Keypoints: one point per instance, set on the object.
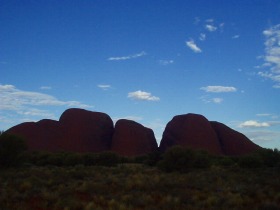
(190, 130)
(232, 142)
(77, 130)
(196, 132)
(132, 139)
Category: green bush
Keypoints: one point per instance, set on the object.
(177, 158)
(107, 159)
(11, 150)
(202, 159)
(270, 157)
(182, 159)
(250, 161)
(153, 158)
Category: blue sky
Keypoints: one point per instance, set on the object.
(143, 60)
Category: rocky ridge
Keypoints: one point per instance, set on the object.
(80, 130)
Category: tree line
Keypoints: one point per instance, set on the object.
(13, 153)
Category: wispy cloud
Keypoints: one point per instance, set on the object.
(264, 115)
(165, 62)
(235, 36)
(262, 136)
(253, 124)
(24, 102)
(202, 37)
(121, 58)
(210, 27)
(191, 44)
(217, 100)
(210, 20)
(45, 88)
(141, 95)
(218, 89)
(272, 55)
(207, 99)
(104, 87)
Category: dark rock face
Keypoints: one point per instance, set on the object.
(77, 130)
(80, 130)
(232, 142)
(132, 139)
(196, 132)
(86, 130)
(193, 131)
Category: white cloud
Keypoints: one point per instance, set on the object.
(207, 99)
(210, 27)
(262, 136)
(217, 100)
(218, 89)
(23, 102)
(45, 88)
(253, 124)
(127, 57)
(104, 87)
(141, 95)
(210, 20)
(166, 62)
(236, 36)
(193, 46)
(272, 55)
(273, 77)
(263, 115)
(202, 37)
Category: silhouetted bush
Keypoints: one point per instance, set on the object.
(250, 161)
(11, 150)
(153, 158)
(224, 161)
(107, 159)
(72, 159)
(202, 159)
(177, 158)
(182, 159)
(270, 157)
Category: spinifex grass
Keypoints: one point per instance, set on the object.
(135, 186)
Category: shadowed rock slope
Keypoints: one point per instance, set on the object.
(133, 139)
(232, 142)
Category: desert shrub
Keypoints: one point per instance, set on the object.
(153, 158)
(11, 149)
(107, 159)
(89, 159)
(140, 159)
(250, 161)
(270, 157)
(72, 159)
(177, 158)
(224, 161)
(202, 159)
(182, 159)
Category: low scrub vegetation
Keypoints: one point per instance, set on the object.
(178, 179)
